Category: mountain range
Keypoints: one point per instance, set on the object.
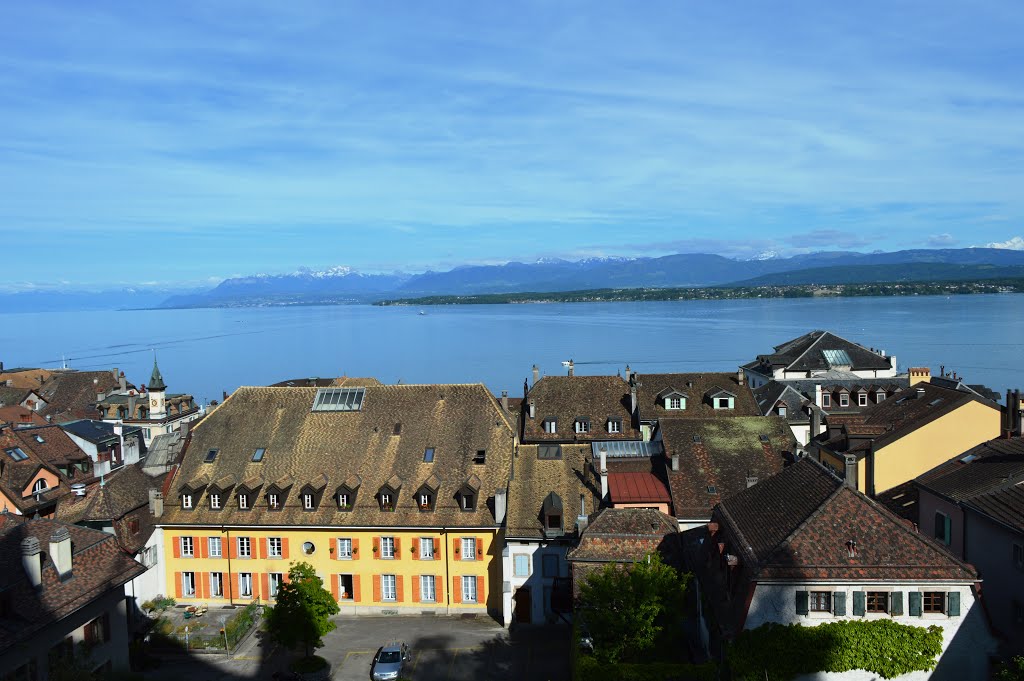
(344, 285)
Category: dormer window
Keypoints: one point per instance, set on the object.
(582, 425)
(674, 402)
(826, 400)
(862, 399)
(551, 510)
(273, 501)
(468, 501)
(723, 403)
(480, 457)
(307, 501)
(844, 399)
(782, 410)
(551, 425)
(387, 502)
(426, 501)
(672, 399)
(186, 501)
(880, 396)
(40, 486)
(214, 501)
(345, 500)
(614, 425)
(243, 501)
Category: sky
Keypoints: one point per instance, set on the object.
(185, 142)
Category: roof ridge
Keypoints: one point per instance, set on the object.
(808, 349)
(813, 515)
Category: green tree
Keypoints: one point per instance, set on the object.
(303, 610)
(1012, 670)
(627, 608)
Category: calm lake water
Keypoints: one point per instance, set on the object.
(205, 352)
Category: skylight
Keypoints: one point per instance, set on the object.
(211, 456)
(764, 438)
(696, 438)
(428, 455)
(16, 454)
(339, 399)
(257, 456)
(934, 402)
(40, 440)
(712, 489)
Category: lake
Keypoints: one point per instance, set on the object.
(205, 352)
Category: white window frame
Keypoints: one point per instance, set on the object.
(274, 582)
(188, 585)
(516, 557)
(216, 585)
(880, 396)
(723, 403)
(385, 499)
(550, 426)
(243, 501)
(186, 501)
(247, 543)
(307, 501)
(469, 594)
(188, 547)
(275, 547)
(387, 548)
(426, 548)
(244, 579)
(844, 399)
(582, 426)
(388, 588)
(215, 547)
(782, 410)
(344, 548)
(424, 500)
(40, 486)
(826, 400)
(675, 403)
(428, 589)
(862, 399)
(343, 500)
(614, 426)
(214, 501)
(273, 501)
(469, 548)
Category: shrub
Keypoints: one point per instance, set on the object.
(591, 669)
(239, 625)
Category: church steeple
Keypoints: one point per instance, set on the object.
(156, 381)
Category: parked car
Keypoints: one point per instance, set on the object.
(389, 662)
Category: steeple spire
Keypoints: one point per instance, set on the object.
(156, 381)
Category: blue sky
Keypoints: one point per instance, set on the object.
(187, 142)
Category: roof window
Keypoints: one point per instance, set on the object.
(40, 440)
(712, 489)
(549, 451)
(764, 438)
(696, 438)
(211, 456)
(480, 457)
(339, 399)
(428, 455)
(257, 456)
(16, 454)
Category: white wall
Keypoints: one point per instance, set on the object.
(152, 582)
(539, 610)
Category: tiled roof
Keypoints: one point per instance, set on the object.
(1005, 505)
(98, 565)
(798, 525)
(20, 416)
(534, 478)
(729, 451)
(56, 448)
(97, 432)
(819, 351)
(71, 395)
(698, 388)
(797, 393)
(316, 382)
(119, 497)
(25, 378)
(623, 535)
(15, 476)
(383, 441)
(635, 487)
(568, 398)
(10, 396)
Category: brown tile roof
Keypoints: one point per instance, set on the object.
(10, 396)
(98, 565)
(315, 382)
(25, 378)
(19, 416)
(71, 395)
(636, 487)
(534, 478)
(810, 353)
(797, 525)
(301, 445)
(728, 452)
(568, 398)
(624, 535)
(56, 448)
(697, 388)
(1005, 505)
(15, 476)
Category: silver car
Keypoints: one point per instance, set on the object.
(389, 663)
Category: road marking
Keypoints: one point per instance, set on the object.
(451, 665)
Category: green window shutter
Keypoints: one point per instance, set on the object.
(839, 603)
(949, 531)
(859, 603)
(896, 603)
(915, 603)
(953, 603)
(802, 601)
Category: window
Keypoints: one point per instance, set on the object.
(274, 546)
(214, 501)
(425, 502)
(188, 584)
(339, 399)
(386, 504)
(98, 631)
(426, 548)
(934, 602)
(345, 549)
(582, 425)
(468, 589)
(308, 548)
(554, 521)
(820, 601)
(16, 453)
(480, 457)
(551, 425)
(428, 455)
(467, 502)
(521, 565)
(387, 547)
(216, 584)
(427, 592)
(211, 456)
(245, 584)
(273, 501)
(186, 501)
(187, 547)
(468, 548)
(215, 547)
(943, 528)
(1018, 556)
(345, 592)
(878, 601)
(274, 583)
(844, 400)
(257, 456)
(39, 487)
(243, 501)
(614, 426)
(344, 501)
(674, 403)
(826, 400)
(133, 525)
(880, 396)
(722, 403)
(862, 399)
(387, 588)
(39, 439)
(549, 565)
(244, 547)
(307, 501)
(549, 451)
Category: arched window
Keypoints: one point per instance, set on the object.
(40, 486)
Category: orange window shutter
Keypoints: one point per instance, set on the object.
(455, 549)
(263, 547)
(438, 587)
(376, 588)
(203, 549)
(284, 547)
(376, 549)
(286, 578)
(398, 547)
(265, 583)
(204, 584)
(176, 542)
(233, 548)
(177, 585)
(232, 586)
(415, 589)
(437, 548)
(456, 591)
(414, 550)
(356, 594)
(479, 549)
(334, 586)
(355, 548)
(481, 596)
(399, 596)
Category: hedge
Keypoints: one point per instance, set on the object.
(591, 669)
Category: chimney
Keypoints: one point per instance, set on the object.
(918, 393)
(32, 561)
(122, 383)
(817, 394)
(604, 474)
(504, 401)
(632, 400)
(533, 408)
(740, 377)
(499, 506)
(536, 374)
(184, 428)
(156, 503)
(850, 471)
(60, 551)
(131, 406)
(572, 368)
(629, 373)
(582, 520)
(851, 548)
(919, 375)
(675, 462)
(114, 373)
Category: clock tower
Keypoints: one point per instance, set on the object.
(157, 393)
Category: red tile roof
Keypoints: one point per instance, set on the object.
(635, 488)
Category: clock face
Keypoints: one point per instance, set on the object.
(153, 402)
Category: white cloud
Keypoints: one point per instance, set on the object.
(1014, 244)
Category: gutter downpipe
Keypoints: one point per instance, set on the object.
(447, 576)
(231, 592)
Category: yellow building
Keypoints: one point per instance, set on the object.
(906, 435)
(395, 495)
